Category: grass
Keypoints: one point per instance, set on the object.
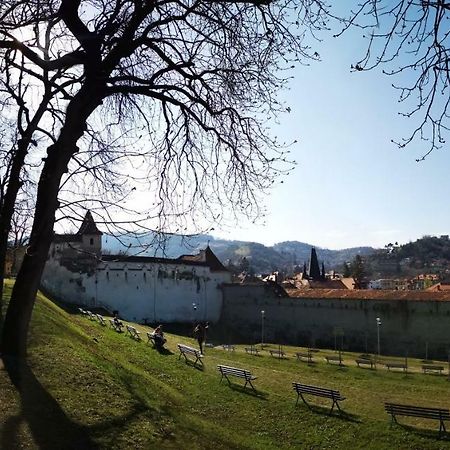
(90, 387)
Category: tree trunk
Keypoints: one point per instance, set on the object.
(14, 184)
(7, 208)
(18, 316)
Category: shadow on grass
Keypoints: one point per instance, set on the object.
(325, 411)
(48, 423)
(163, 351)
(193, 364)
(248, 391)
(50, 427)
(422, 432)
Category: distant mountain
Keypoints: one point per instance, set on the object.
(262, 259)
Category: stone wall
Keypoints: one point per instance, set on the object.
(406, 325)
(149, 292)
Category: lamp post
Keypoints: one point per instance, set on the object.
(378, 335)
(262, 328)
(194, 311)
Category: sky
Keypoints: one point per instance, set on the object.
(352, 186)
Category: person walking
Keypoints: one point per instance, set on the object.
(200, 334)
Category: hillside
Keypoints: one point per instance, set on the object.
(430, 254)
(90, 387)
(263, 259)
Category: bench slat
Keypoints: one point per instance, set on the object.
(237, 372)
(417, 411)
(318, 392)
(185, 349)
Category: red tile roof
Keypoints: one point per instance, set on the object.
(368, 294)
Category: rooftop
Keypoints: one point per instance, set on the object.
(369, 294)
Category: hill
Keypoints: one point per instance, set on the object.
(429, 254)
(263, 259)
(90, 387)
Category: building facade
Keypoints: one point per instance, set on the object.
(142, 289)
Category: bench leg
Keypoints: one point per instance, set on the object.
(393, 419)
(442, 427)
(332, 407)
(250, 383)
(335, 402)
(304, 401)
(199, 360)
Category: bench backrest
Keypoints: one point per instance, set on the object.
(186, 349)
(417, 411)
(316, 390)
(235, 371)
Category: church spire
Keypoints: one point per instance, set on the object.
(314, 269)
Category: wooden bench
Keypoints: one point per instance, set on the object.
(396, 365)
(433, 368)
(101, 320)
(277, 353)
(189, 351)
(135, 334)
(317, 391)
(228, 347)
(306, 357)
(115, 326)
(365, 362)
(252, 350)
(227, 371)
(334, 359)
(418, 411)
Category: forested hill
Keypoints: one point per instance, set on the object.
(429, 254)
(260, 258)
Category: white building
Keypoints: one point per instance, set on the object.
(149, 289)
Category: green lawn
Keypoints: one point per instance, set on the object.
(92, 387)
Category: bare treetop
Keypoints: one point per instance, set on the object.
(411, 38)
(197, 80)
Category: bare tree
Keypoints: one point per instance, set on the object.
(198, 79)
(25, 98)
(410, 39)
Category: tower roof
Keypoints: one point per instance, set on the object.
(314, 270)
(89, 226)
(206, 256)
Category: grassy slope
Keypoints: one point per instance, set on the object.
(119, 393)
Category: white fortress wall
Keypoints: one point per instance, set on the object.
(156, 292)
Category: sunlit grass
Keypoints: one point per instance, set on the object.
(124, 394)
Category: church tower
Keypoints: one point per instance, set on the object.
(314, 269)
(90, 235)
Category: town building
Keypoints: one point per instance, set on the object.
(142, 289)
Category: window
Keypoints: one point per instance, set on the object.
(91, 241)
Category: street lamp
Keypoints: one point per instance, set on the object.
(262, 328)
(194, 309)
(378, 334)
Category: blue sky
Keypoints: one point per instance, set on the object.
(352, 186)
